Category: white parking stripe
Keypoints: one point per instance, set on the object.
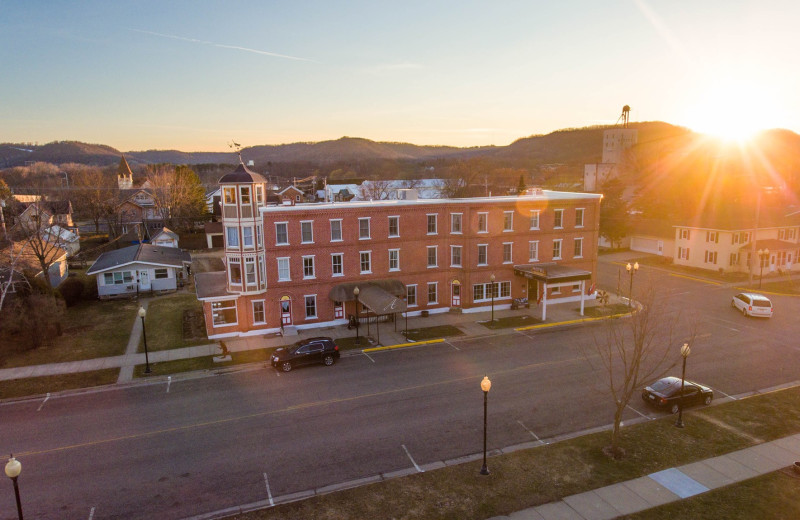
(412, 459)
(726, 395)
(45, 400)
(640, 413)
(368, 357)
(91, 513)
(532, 434)
(455, 347)
(269, 493)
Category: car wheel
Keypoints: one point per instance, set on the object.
(744, 312)
(328, 360)
(286, 366)
(733, 304)
(707, 400)
(674, 408)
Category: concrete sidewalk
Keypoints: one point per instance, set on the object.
(668, 485)
(382, 334)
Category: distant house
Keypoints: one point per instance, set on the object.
(214, 234)
(213, 198)
(652, 236)
(732, 244)
(64, 238)
(291, 194)
(140, 268)
(165, 238)
(47, 212)
(27, 261)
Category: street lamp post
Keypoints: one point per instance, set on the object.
(685, 351)
(356, 292)
(13, 469)
(763, 254)
(492, 286)
(142, 314)
(486, 385)
(631, 270)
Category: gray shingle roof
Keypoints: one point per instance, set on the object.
(242, 174)
(142, 253)
(210, 285)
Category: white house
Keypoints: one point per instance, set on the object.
(165, 238)
(68, 240)
(140, 268)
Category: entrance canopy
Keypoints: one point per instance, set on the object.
(381, 296)
(551, 273)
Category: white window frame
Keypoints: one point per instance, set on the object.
(558, 248)
(558, 219)
(435, 255)
(339, 222)
(435, 286)
(230, 233)
(483, 215)
(247, 236)
(509, 248)
(535, 213)
(508, 221)
(456, 223)
(453, 250)
(250, 262)
(310, 224)
(259, 236)
(411, 289)
(397, 219)
(396, 252)
(360, 229)
(533, 251)
(684, 234)
(361, 262)
(577, 249)
(486, 255)
(305, 266)
(580, 214)
(235, 260)
(288, 268)
(263, 312)
(435, 223)
(219, 307)
(305, 306)
(341, 264)
(277, 234)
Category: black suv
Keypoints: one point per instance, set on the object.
(306, 352)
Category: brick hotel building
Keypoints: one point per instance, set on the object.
(297, 265)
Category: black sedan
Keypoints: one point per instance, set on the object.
(306, 352)
(666, 393)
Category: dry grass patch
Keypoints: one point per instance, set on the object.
(41, 385)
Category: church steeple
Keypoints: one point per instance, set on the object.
(124, 175)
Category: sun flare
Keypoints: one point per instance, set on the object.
(732, 111)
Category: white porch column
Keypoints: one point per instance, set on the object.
(544, 302)
(583, 294)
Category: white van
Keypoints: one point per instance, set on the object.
(752, 304)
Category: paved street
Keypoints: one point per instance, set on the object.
(204, 444)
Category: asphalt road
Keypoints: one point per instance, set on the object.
(205, 444)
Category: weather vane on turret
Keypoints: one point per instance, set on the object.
(236, 148)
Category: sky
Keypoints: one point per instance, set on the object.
(196, 75)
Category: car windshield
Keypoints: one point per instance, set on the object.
(661, 385)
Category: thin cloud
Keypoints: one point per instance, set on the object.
(223, 46)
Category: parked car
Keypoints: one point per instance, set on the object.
(306, 352)
(752, 304)
(665, 394)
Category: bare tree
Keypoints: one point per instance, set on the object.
(10, 276)
(378, 189)
(177, 194)
(45, 244)
(91, 190)
(634, 351)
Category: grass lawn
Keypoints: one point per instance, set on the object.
(92, 329)
(439, 331)
(203, 363)
(773, 495)
(172, 322)
(44, 384)
(544, 474)
(510, 322)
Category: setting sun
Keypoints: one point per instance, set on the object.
(733, 111)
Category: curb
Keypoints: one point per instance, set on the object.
(572, 322)
(403, 345)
